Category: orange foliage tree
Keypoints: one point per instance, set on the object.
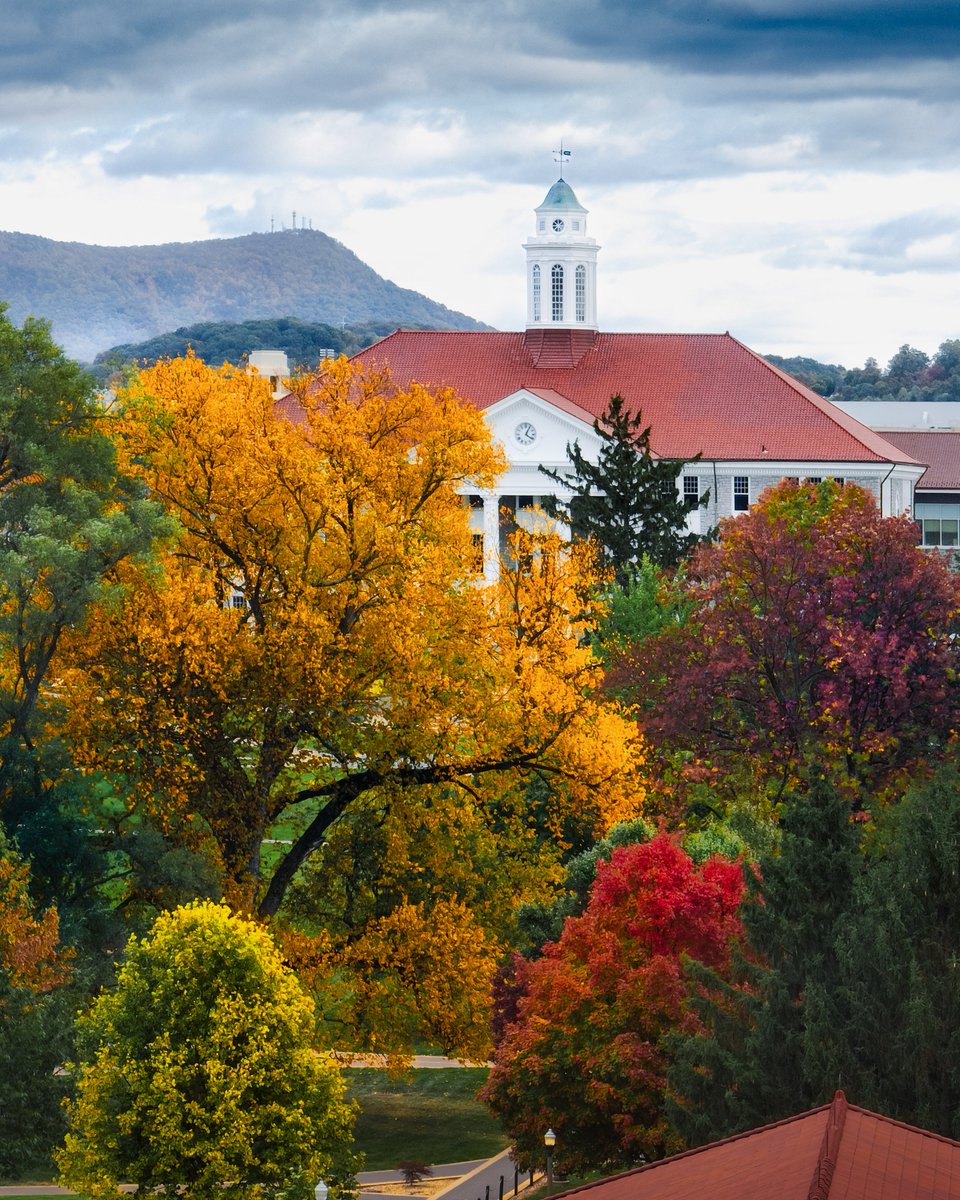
(30, 952)
(316, 689)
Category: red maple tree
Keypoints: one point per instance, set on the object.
(585, 1054)
(817, 630)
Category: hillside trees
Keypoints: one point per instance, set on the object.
(199, 1070)
(317, 663)
(627, 502)
(817, 631)
(583, 1053)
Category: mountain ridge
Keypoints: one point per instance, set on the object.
(98, 296)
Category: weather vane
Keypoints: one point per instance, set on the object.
(561, 156)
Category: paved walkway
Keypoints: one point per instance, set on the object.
(430, 1061)
(468, 1181)
(479, 1180)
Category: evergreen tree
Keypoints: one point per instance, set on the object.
(36, 1038)
(628, 500)
(756, 1059)
(889, 1031)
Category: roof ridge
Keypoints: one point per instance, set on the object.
(829, 1149)
(927, 1133)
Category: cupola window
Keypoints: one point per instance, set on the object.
(556, 292)
(581, 292)
(536, 291)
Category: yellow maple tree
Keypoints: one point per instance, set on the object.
(315, 659)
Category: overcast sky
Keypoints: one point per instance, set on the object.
(784, 169)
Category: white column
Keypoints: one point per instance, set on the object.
(491, 537)
(563, 498)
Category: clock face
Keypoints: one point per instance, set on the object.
(525, 434)
(558, 225)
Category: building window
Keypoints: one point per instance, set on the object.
(536, 292)
(541, 226)
(814, 479)
(741, 493)
(581, 278)
(838, 480)
(937, 531)
(576, 226)
(691, 488)
(556, 292)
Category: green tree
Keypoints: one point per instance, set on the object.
(198, 1071)
(888, 1029)
(754, 1059)
(35, 1040)
(35, 1024)
(907, 367)
(68, 516)
(628, 500)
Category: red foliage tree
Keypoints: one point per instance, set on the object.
(818, 630)
(584, 1054)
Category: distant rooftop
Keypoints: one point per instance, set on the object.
(903, 414)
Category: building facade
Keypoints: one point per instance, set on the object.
(701, 394)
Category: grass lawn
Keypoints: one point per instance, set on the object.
(431, 1115)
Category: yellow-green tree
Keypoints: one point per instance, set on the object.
(199, 1072)
(316, 670)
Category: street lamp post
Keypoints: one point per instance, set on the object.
(549, 1140)
(321, 1191)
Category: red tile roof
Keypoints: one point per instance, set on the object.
(938, 448)
(700, 393)
(836, 1152)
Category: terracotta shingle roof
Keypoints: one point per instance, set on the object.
(700, 393)
(940, 449)
(836, 1152)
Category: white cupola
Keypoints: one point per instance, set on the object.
(561, 265)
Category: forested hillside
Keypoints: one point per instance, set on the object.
(911, 374)
(218, 342)
(99, 296)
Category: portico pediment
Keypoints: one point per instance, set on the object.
(535, 426)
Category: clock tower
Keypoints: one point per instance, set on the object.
(561, 265)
